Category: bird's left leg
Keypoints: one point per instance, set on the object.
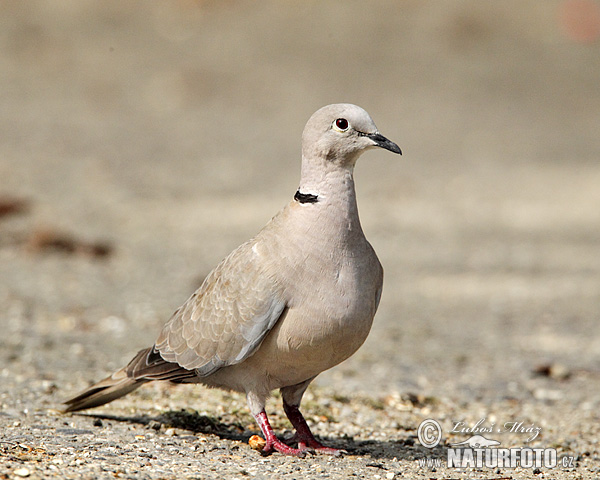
(292, 396)
(256, 403)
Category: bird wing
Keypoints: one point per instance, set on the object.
(227, 318)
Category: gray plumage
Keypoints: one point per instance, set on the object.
(295, 300)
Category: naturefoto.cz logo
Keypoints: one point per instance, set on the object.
(481, 450)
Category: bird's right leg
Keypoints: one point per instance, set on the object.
(292, 396)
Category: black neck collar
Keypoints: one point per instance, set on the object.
(305, 197)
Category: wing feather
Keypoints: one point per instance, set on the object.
(227, 318)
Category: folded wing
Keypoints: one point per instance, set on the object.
(227, 318)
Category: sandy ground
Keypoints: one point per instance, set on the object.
(142, 141)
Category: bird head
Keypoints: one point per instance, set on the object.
(339, 133)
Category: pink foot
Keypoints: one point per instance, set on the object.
(306, 440)
(318, 447)
(273, 443)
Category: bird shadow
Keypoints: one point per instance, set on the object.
(190, 421)
(195, 423)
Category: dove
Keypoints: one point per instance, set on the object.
(292, 302)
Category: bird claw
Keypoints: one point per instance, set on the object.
(335, 452)
(279, 446)
(317, 447)
(302, 450)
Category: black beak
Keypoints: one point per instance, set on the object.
(383, 142)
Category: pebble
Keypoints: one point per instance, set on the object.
(154, 425)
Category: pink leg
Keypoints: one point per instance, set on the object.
(273, 443)
(306, 440)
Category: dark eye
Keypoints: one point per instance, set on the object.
(342, 124)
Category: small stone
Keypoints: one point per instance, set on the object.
(170, 432)
(547, 394)
(555, 371)
(22, 472)
(390, 475)
(154, 425)
(97, 422)
(49, 387)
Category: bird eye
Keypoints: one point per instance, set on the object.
(341, 124)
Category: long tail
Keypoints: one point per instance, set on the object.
(146, 366)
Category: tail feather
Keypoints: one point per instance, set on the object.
(145, 367)
(109, 389)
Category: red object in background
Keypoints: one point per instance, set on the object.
(580, 20)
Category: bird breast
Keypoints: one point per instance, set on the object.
(332, 287)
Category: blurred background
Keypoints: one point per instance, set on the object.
(142, 141)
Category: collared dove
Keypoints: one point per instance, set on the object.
(295, 300)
